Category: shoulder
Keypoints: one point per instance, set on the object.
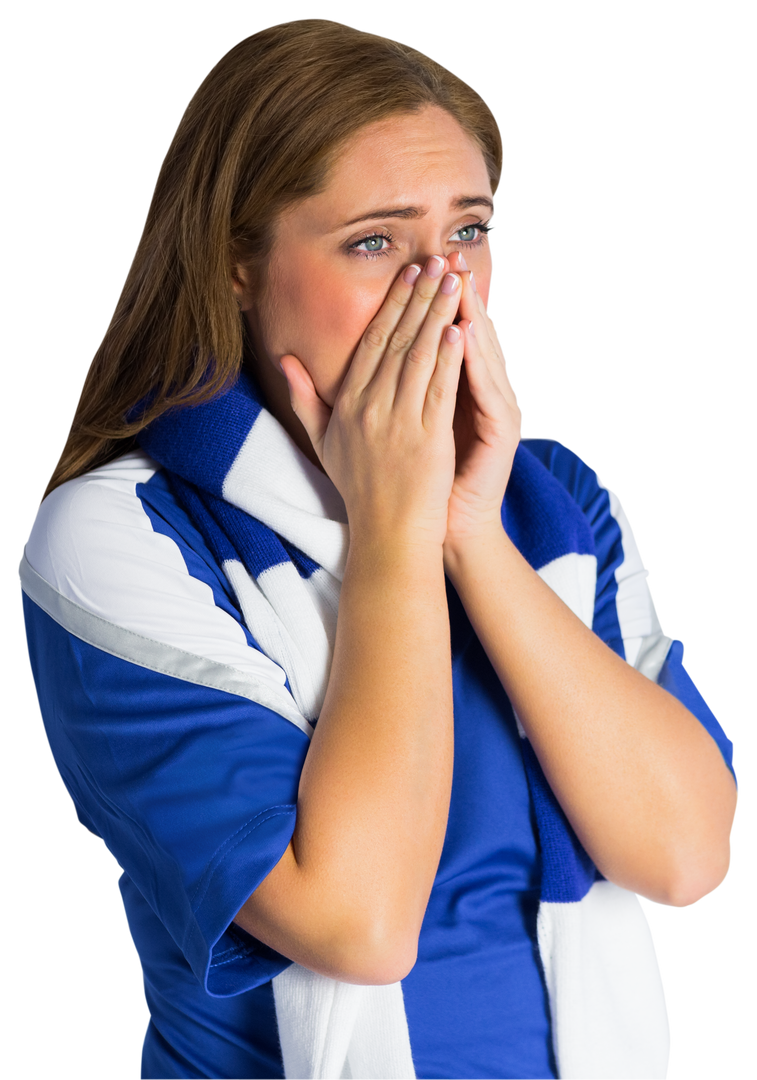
(623, 610)
(598, 505)
(115, 545)
(574, 475)
(114, 533)
(88, 523)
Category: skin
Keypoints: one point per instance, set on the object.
(639, 779)
(425, 162)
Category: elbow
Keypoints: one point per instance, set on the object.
(378, 971)
(372, 958)
(689, 883)
(699, 863)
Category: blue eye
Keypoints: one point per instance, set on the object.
(471, 234)
(375, 243)
(373, 246)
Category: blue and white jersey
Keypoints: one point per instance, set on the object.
(181, 745)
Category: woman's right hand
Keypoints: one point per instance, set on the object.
(388, 443)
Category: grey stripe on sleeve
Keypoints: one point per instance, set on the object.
(652, 654)
(154, 655)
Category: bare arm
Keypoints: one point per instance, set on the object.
(642, 782)
(349, 895)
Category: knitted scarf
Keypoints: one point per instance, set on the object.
(278, 527)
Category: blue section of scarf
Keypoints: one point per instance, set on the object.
(197, 447)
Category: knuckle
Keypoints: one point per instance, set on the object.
(421, 357)
(375, 337)
(397, 300)
(344, 406)
(402, 339)
(369, 416)
(436, 394)
(426, 291)
(443, 302)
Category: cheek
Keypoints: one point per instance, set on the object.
(319, 314)
(363, 303)
(336, 311)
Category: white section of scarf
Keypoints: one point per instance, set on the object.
(293, 619)
(607, 1015)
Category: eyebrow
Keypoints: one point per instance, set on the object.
(410, 212)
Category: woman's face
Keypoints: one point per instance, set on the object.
(402, 189)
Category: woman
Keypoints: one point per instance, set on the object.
(276, 561)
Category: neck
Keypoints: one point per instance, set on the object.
(275, 393)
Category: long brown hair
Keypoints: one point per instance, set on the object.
(258, 135)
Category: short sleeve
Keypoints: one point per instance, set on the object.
(624, 614)
(177, 739)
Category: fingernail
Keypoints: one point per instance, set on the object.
(452, 334)
(411, 274)
(434, 266)
(463, 263)
(471, 330)
(473, 282)
(449, 284)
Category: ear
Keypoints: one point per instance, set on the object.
(240, 291)
(239, 294)
(246, 283)
(241, 284)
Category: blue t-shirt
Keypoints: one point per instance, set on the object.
(143, 665)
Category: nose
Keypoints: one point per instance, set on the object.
(457, 261)
(454, 262)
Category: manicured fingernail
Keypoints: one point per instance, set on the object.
(452, 334)
(411, 274)
(449, 284)
(471, 330)
(463, 263)
(434, 266)
(473, 282)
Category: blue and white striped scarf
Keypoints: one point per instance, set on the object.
(278, 527)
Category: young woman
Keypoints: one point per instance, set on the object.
(367, 696)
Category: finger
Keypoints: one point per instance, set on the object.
(472, 308)
(406, 333)
(441, 393)
(480, 379)
(488, 382)
(378, 333)
(312, 412)
(421, 360)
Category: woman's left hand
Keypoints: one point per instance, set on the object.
(486, 425)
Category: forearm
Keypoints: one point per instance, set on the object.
(639, 778)
(349, 896)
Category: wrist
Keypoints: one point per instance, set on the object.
(474, 552)
(385, 551)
